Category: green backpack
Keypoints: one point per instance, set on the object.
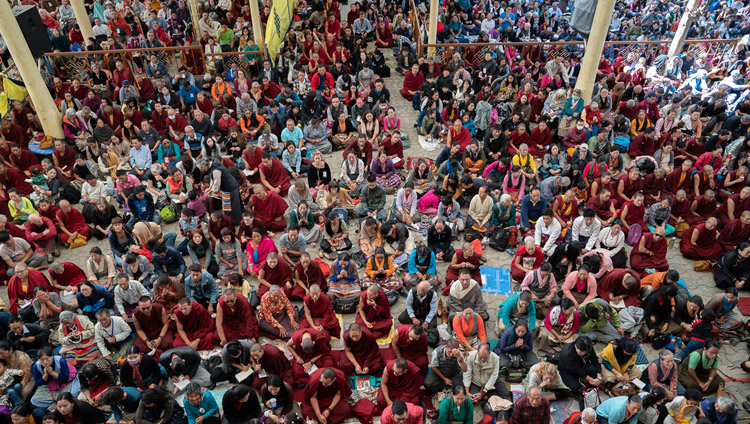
(168, 214)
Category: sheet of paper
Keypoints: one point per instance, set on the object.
(262, 374)
(619, 305)
(396, 160)
(639, 384)
(313, 368)
(182, 384)
(241, 376)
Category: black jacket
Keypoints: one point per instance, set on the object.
(573, 364)
(40, 335)
(188, 354)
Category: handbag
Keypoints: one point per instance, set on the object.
(392, 296)
(433, 337)
(345, 306)
(680, 228)
(634, 234)
(702, 266)
(79, 241)
(323, 267)
(499, 239)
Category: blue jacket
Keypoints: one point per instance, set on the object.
(59, 365)
(207, 288)
(172, 264)
(127, 405)
(508, 340)
(530, 211)
(100, 298)
(413, 263)
(510, 305)
(614, 410)
(207, 407)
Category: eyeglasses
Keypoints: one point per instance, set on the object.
(658, 235)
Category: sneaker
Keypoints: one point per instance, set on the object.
(57, 252)
(511, 251)
(50, 258)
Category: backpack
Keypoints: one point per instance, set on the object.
(433, 337)
(499, 239)
(392, 296)
(168, 214)
(70, 193)
(591, 397)
(345, 306)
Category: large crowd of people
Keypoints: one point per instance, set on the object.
(586, 195)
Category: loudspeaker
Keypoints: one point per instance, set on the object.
(34, 31)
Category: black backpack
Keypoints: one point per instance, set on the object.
(69, 193)
(345, 306)
(499, 239)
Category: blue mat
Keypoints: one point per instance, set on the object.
(496, 280)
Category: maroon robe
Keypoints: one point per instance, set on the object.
(313, 275)
(678, 180)
(653, 185)
(379, 316)
(365, 350)
(635, 215)
(270, 212)
(639, 262)
(722, 213)
(705, 209)
(322, 347)
(704, 183)
(254, 161)
(522, 253)
(72, 275)
(239, 322)
(599, 186)
(405, 386)
(679, 209)
(363, 410)
(73, 222)
(732, 234)
(160, 122)
(706, 247)
(25, 161)
(567, 211)
(452, 274)
(641, 146)
(629, 189)
(215, 228)
(322, 315)
(611, 283)
(279, 276)
(65, 160)
(16, 290)
(411, 83)
(414, 351)
(272, 362)
(197, 325)
(16, 134)
(15, 178)
(18, 232)
(276, 176)
(151, 325)
(603, 210)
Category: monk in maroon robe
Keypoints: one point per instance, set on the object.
(64, 157)
(702, 208)
(274, 272)
(235, 318)
(308, 347)
(23, 159)
(410, 343)
(679, 179)
(23, 288)
(361, 354)
(627, 186)
(699, 242)
(325, 386)
(66, 276)
(41, 231)
(319, 314)
(412, 81)
(632, 213)
(565, 208)
(308, 272)
(271, 360)
(375, 312)
(605, 181)
(15, 134)
(735, 232)
(252, 156)
(703, 180)
(71, 222)
(152, 328)
(651, 252)
(401, 379)
(680, 208)
(602, 205)
(10, 178)
(195, 327)
(653, 186)
(731, 208)
(459, 261)
(526, 259)
(618, 284)
(273, 175)
(268, 208)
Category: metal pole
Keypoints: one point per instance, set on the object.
(49, 115)
(594, 46)
(82, 18)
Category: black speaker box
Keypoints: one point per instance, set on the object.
(33, 30)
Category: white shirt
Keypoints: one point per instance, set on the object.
(612, 243)
(119, 329)
(553, 231)
(580, 229)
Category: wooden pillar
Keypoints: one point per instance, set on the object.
(260, 39)
(195, 17)
(682, 28)
(432, 31)
(49, 115)
(594, 46)
(82, 18)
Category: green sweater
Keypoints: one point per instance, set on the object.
(450, 412)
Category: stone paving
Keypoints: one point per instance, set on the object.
(699, 283)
